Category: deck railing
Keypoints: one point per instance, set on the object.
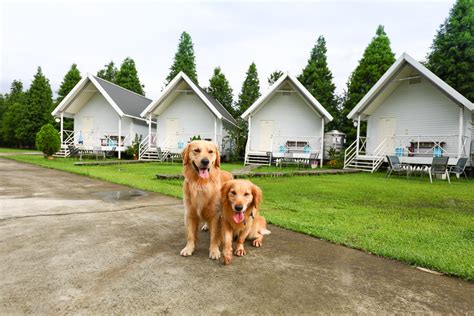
(425, 145)
(308, 144)
(95, 138)
(358, 147)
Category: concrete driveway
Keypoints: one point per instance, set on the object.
(64, 248)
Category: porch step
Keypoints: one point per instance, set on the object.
(363, 163)
(258, 159)
(63, 153)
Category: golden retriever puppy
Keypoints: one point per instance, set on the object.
(240, 217)
(202, 184)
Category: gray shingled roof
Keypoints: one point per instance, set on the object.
(129, 102)
(219, 107)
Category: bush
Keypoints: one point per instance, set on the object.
(48, 140)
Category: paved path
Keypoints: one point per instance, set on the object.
(66, 249)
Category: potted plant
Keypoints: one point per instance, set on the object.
(48, 141)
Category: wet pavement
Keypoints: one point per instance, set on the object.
(71, 244)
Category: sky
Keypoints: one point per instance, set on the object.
(276, 35)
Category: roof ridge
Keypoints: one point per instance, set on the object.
(207, 95)
(138, 94)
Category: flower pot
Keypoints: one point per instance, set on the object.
(135, 157)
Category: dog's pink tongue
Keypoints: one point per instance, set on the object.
(204, 173)
(238, 217)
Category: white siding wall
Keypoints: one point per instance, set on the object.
(291, 116)
(193, 115)
(138, 129)
(103, 116)
(419, 109)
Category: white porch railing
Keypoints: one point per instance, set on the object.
(426, 145)
(95, 138)
(68, 138)
(307, 144)
(176, 143)
(358, 147)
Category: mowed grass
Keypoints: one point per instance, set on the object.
(140, 176)
(17, 150)
(423, 224)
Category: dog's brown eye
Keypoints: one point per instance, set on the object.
(211, 151)
(232, 192)
(197, 150)
(246, 194)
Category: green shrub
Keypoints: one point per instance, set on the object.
(48, 140)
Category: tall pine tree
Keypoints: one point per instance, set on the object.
(219, 89)
(127, 77)
(72, 77)
(39, 101)
(249, 94)
(14, 109)
(250, 90)
(377, 58)
(184, 59)
(318, 79)
(109, 72)
(452, 53)
(274, 76)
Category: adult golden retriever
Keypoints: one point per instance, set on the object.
(240, 201)
(202, 186)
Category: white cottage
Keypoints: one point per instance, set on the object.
(412, 113)
(286, 119)
(106, 116)
(183, 111)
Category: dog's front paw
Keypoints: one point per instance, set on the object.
(228, 259)
(214, 254)
(257, 243)
(204, 228)
(187, 251)
(240, 252)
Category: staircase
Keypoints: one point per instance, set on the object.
(356, 158)
(67, 141)
(257, 158)
(149, 152)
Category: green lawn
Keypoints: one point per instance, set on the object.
(429, 225)
(16, 150)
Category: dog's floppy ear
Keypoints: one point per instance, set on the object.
(185, 155)
(257, 196)
(225, 191)
(217, 163)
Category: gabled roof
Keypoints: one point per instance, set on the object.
(214, 106)
(395, 70)
(298, 86)
(123, 101)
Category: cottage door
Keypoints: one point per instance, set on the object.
(266, 135)
(172, 133)
(387, 129)
(87, 131)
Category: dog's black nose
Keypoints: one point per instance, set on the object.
(205, 162)
(239, 208)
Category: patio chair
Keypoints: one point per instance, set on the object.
(394, 164)
(313, 159)
(287, 159)
(459, 168)
(439, 166)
